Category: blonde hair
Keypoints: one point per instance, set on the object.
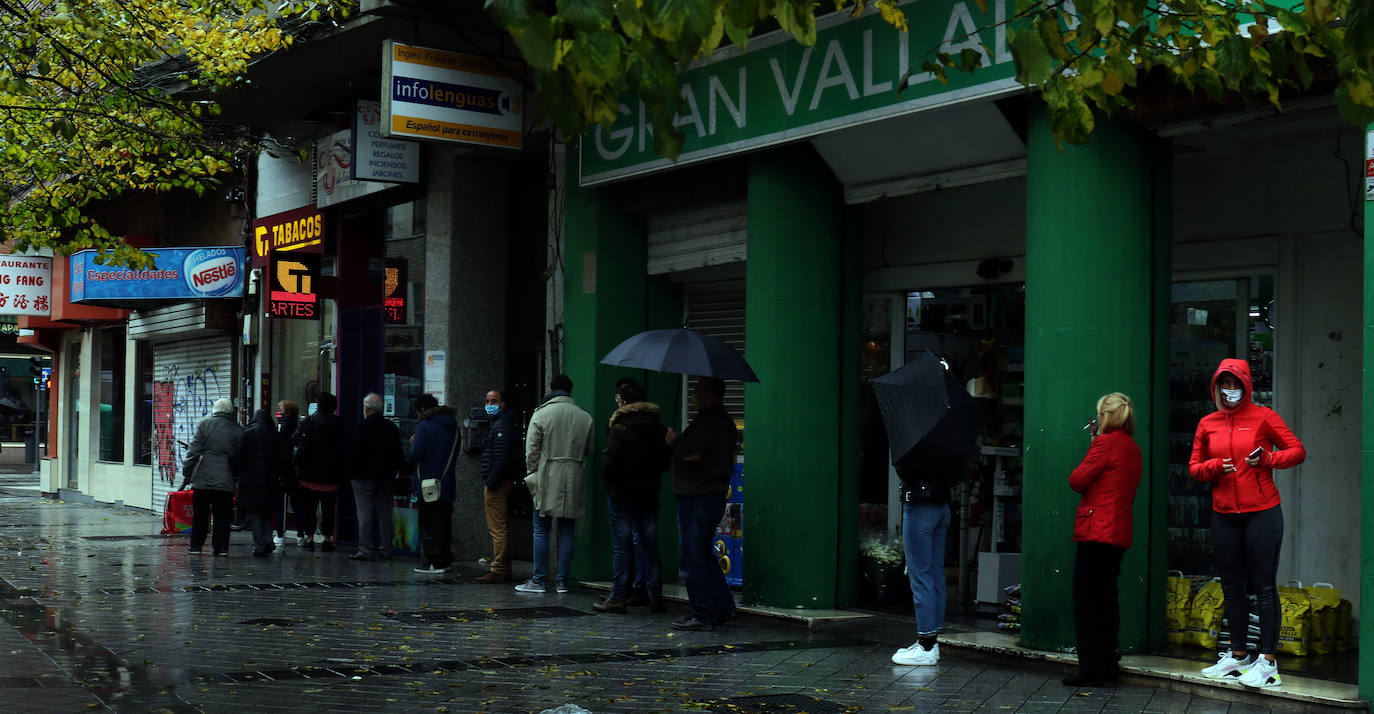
(1115, 411)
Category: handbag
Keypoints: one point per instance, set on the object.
(429, 488)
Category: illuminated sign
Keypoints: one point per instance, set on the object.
(25, 285)
(300, 229)
(294, 289)
(176, 274)
(394, 294)
(433, 94)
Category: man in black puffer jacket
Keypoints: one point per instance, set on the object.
(499, 459)
(636, 456)
(260, 466)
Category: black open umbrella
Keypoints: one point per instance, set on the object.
(681, 351)
(927, 413)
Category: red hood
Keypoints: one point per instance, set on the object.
(1240, 369)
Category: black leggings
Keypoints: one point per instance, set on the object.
(1247, 548)
(1096, 608)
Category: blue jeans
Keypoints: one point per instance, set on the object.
(634, 537)
(541, 546)
(697, 518)
(924, 527)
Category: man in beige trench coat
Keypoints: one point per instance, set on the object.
(557, 447)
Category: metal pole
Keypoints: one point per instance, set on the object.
(39, 394)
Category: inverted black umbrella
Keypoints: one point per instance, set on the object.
(681, 351)
(927, 413)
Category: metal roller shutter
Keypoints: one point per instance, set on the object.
(188, 376)
(717, 309)
(684, 240)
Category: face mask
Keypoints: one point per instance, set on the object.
(1231, 396)
(493, 408)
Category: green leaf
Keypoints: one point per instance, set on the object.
(669, 20)
(1121, 66)
(1047, 25)
(1233, 61)
(797, 19)
(1359, 30)
(1033, 62)
(1353, 98)
(536, 42)
(589, 15)
(509, 14)
(596, 58)
(1209, 82)
(743, 13)
(631, 19)
(738, 35)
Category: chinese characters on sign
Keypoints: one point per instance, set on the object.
(25, 285)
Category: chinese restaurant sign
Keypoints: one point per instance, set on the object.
(779, 91)
(300, 229)
(294, 290)
(176, 274)
(25, 285)
(434, 94)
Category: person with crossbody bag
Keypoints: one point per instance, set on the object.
(433, 448)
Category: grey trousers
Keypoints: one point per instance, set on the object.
(374, 502)
(260, 522)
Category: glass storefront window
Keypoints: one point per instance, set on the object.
(113, 352)
(403, 359)
(143, 416)
(1211, 320)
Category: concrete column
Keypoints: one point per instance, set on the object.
(1092, 294)
(605, 302)
(465, 307)
(795, 303)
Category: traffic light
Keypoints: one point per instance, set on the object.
(36, 369)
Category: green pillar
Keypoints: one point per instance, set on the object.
(666, 307)
(1090, 301)
(793, 435)
(1366, 675)
(605, 301)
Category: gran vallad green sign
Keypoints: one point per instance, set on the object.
(779, 91)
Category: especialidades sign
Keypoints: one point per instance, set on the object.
(177, 274)
(778, 91)
(434, 94)
(25, 285)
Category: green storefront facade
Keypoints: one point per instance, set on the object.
(855, 193)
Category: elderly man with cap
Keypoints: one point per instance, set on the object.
(210, 472)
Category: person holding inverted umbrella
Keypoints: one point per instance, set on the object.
(932, 425)
(703, 457)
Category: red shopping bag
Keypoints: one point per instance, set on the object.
(177, 515)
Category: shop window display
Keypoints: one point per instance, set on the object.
(112, 375)
(981, 332)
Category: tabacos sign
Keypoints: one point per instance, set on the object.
(176, 274)
(780, 91)
(300, 229)
(294, 286)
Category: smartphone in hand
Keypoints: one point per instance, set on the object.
(1256, 453)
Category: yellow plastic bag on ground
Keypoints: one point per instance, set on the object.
(1204, 616)
(1344, 640)
(1323, 599)
(1295, 620)
(1177, 592)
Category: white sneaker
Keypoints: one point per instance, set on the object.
(917, 656)
(300, 541)
(1262, 673)
(1228, 667)
(278, 541)
(561, 586)
(532, 586)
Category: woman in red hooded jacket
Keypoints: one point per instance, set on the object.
(1107, 478)
(1237, 448)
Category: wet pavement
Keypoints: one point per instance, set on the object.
(103, 613)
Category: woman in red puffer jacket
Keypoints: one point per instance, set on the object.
(1107, 478)
(1237, 448)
